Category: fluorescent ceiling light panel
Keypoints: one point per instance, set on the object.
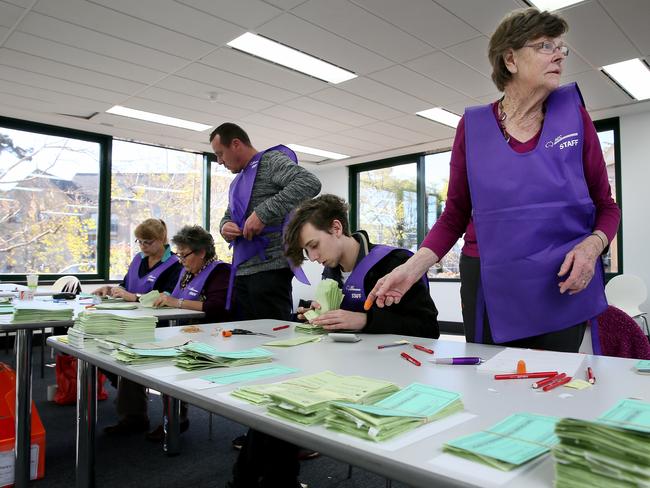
(633, 75)
(553, 4)
(440, 115)
(157, 118)
(279, 53)
(316, 152)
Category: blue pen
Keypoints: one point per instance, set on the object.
(461, 360)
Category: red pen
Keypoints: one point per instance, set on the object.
(555, 384)
(546, 381)
(423, 349)
(590, 375)
(540, 374)
(280, 327)
(411, 359)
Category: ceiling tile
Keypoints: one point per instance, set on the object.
(298, 116)
(125, 27)
(35, 64)
(443, 68)
(343, 99)
(9, 14)
(357, 25)
(423, 19)
(374, 90)
(632, 16)
(177, 18)
(227, 59)
(416, 84)
(78, 57)
(285, 4)
(236, 83)
(473, 53)
(20, 3)
(201, 89)
(72, 35)
(329, 111)
(595, 36)
(312, 39)
(483, 16)
(332, 145)
(433, 129)
(599, 91)
(165, 108)
(459, 107)
(299, 130)
(386, 134)
(574, 64)
(245, 13)
(3, 33)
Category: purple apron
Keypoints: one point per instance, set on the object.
(529, 210)
(135, 284)
(354, 294)
(193, 289)
(239, 196)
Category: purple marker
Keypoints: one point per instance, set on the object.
(465, 360)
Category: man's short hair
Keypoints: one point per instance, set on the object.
(320, 212)
(228, 132)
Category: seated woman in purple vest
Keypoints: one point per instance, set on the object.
(202, 286)
(155, 267)
(528, 188)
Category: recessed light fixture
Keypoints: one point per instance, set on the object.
(317, 152)
(157, 118)
(632, 75)
(440, 115)
(553, 4)
(275, 52)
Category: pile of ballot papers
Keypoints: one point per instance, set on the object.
(306, 400)
(328, 295)
(401, 412)
(132, 355)
(612, 451)
(91, 325)
(514, 441)
(37, 311)
(198, 355)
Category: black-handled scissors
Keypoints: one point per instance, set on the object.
(247, 332)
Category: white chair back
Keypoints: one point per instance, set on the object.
(67, 284)
(627, 292)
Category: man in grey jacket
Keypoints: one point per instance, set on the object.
(268, 186)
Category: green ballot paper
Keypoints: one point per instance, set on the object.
(512, 442)
(197, 355)
(148, 299)
(404, 410)
(328, 295)
(612, 451)
(230, 377)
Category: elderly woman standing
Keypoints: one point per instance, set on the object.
(528, 187)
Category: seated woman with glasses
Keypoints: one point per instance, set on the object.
(155, 267)
(203, 286)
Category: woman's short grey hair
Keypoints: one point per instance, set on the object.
(197, 239)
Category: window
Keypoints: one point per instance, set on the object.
(49, 198)
(151, 182)
(220, 179)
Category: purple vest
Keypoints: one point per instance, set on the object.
(193, 289)
(239, 195)
(529, 210)
(135, 284)
(354, 293)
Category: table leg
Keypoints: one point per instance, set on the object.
(171, 426)
(86, 420)
(22, 447)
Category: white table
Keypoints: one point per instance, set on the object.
(488, 401)
(24, 371)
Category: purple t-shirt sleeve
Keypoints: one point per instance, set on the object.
(456, 218)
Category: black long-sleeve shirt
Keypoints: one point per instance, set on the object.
(415, 314)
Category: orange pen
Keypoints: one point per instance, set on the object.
(367, 304)
(226, 333)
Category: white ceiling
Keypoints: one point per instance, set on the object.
(80, 57)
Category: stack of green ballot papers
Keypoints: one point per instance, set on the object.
(404, 410)
(328, 295)
(612, 451)
(148, 299)
(307, 328)
(91, 325)
(197, 355)
(37, 311)
(306, 399)
(512, 442)
(6, 306)
(116, 306)
(132, 355)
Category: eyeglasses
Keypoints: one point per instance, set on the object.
(183, 257)
(549, 47)
(145, 242)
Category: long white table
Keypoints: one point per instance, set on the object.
(414, 458)
(24, 371)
